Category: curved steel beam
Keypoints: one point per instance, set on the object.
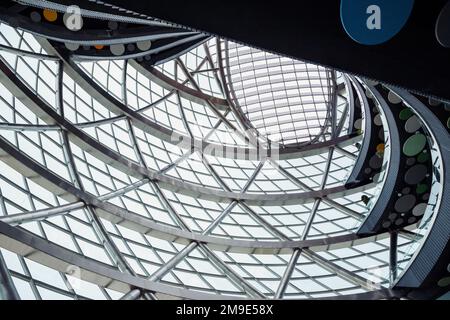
(125, 218)
(230, 95)
(7, 289)
(433, 252)
(96, 11)
(351, 102)
(392, 171)
(166, 134)
(389, 206)
(134, 221)
(286, 153)
(170, 54)
(107, 155)
(365, 143)
(26, 53)
(162, 45)
(185, 91)
(59, 186)
(59, 258)
(92, 37)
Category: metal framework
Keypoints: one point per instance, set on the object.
(99, 200)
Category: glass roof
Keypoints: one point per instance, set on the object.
(137, 199)
(286, 100)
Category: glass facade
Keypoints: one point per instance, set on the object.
(93, 166)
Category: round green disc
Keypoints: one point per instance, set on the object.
(444, 282)
(421, 188)
(423, 157)
(405, 114)
(414, 145)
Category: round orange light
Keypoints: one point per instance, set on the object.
(99, 46)
(380, 147)
(50, 15)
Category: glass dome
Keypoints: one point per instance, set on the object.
(202, 170)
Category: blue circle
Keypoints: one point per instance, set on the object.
(443, 25)
(373, 22)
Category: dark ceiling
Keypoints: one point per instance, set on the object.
(312, 31)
